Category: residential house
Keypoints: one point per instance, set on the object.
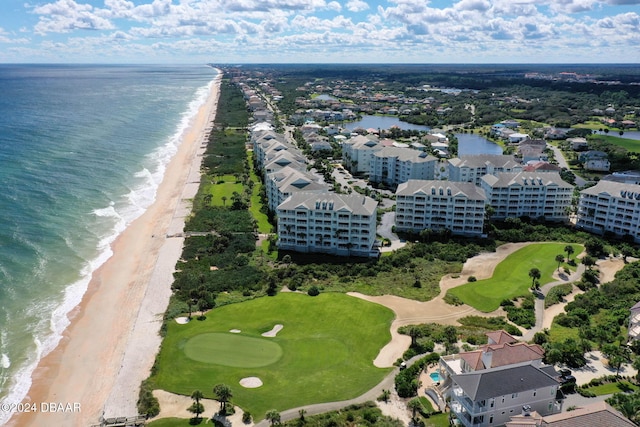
(596, 414)
(437, 205)
(472, 168)
(280, 159)
(533, 194)
(337, 224)
(491, 397)
(610, 207)
(634, 322)
(595, 161)
(578, 143)
(395, 165)
(517, 138)
(626, 177)
(541, 166)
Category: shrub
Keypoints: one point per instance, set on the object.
(313, 291)
(246, 417)
(472, 279)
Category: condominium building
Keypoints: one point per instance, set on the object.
(337, 224)
(393, 165)
(357, 153)
(533, 194)
(437, 205)
(281, 159)
(283, 183)
(472, 168)
(610, 207)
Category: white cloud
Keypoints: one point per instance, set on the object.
(356, 6)
(67, 15)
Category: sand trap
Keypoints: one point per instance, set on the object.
(182, 320)
(273, 332)
(235, 331)
(251, 382)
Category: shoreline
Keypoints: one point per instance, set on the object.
(112, 340)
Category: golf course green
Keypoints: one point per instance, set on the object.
(511, 277)
(324, 351)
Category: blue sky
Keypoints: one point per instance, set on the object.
(320, 31)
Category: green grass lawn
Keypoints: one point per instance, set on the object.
(225, 189)
(255, 203)
(511, 277)
(559, 333)
(175, 422)
(327, 347)
(632, 145)
(610, 388)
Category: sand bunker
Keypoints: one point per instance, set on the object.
(251, 382)
(273, 332)
(235, 331)
(182, 320)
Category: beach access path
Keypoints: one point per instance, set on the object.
(111, 344)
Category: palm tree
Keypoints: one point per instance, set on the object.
(224, 200)
(559, 260)
(197, 407)
(415, 405)
(569, 251)
(301, 412)
(223, 395)
(535, 274)
(273, 416)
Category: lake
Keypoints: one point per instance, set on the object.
(383, 122)
(470, 144)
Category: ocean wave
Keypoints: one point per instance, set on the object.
(118, 215)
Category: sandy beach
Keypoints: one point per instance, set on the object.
(112, 341)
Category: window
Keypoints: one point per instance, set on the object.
(534, 392)
(491, 419)
(514, 395)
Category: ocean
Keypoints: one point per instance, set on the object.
(83, 149)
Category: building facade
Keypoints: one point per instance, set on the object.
(393, 166)
(336, 224)
(437, 205)
(533, 194)
(610, 207)
(357, 153)
(473, 168)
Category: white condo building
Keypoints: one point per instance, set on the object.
(437, 205)
(337, 224)
(283, 183)
(610, 206)
(472, 168)
(357, 153)
(393, 165)
(533, 194)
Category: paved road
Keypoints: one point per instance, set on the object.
(528, 336)
(562, 162)
(388, 383)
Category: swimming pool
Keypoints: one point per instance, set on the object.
(435, 376)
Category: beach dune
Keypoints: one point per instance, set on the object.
(111, 343)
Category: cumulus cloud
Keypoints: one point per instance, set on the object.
(356, 6)
(67, 15)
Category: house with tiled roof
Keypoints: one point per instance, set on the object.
(597, 414)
